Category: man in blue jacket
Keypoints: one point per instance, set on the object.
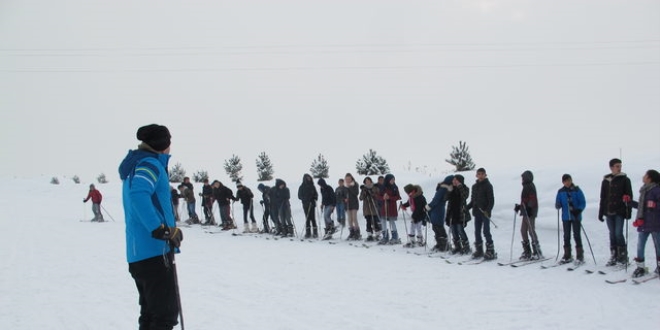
(151, 233)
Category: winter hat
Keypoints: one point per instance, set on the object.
(566, 177)
(408, 188)
(239, 184)
(156, 136)
(448, 179)
(389, 178)
(460, 178)
(91, 186)
(261, 187)
(321, 182)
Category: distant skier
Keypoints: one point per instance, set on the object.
(224, 196)
(482, 203)
(647, 220)
(571, 201)
(207, 202)
(328, 202)
(96, 197)
(341, 194)
(151, 233)
(245, 195)
(436, 209)
(353, 205)
(265, 203)
(189, 196)
(528, 208)
(458, 215)
(615, 198)
(389, 195)
(368, 193)
(308, 195)
(417, 203)
(282, 202)
(175, 203)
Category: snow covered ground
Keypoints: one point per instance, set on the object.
(60, 273)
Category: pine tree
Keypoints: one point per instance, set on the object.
(54, 180)
(372, 164)
(233, 167)
(460, 157)
(76, 179)
(177, 173)
(319, 168)
(200, 176)
(264, 168)
(101, 178)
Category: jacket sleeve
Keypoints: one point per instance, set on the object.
(490, 197)
(628, 191)
(143, 186)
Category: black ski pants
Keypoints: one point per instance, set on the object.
(154, 278)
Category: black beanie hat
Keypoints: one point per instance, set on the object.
(156, 136)
(460, 178)
(566, 177)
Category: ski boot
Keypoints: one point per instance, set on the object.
(411, 242)
(579, 255)
(385, 239)
(457, 247)
(395, 239)
(527, 252)
(315, 232)
(613, 256)
(536, 252)
(478, 251)
(370, 237)
(622, 258)
(490, 252)
(641, 269)
(466, 247)
(254, 228)
(420, 241)
(567, 255)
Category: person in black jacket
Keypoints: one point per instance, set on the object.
(224, 196)
(482, 203)
(308, 195)
(615, 197)
(207, 203)
(417, 203)
(328, 202)
(528, 208)
(281, 199)
(458, 215)
(245, 195)
(265, 203)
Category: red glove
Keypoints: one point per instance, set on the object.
(627, 199)
(651, 204)
(638, 223)
(404, 207)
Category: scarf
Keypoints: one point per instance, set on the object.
(642, 196)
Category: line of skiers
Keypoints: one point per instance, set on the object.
(381, 203)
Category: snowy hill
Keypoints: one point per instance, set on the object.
(60, 273)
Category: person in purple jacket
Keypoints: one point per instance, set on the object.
(648, 220)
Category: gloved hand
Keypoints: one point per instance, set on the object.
(557, 206)
(600, 218)
(261, 202)
(84, 200)
(486, 214)
(427, 207)
(172, 235)
(516, 208)
(403, 207)
(638, 223)
(362, 187)
(627, 199)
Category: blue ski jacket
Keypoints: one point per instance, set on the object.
(147, 203)
(572, 202)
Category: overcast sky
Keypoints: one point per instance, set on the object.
(523, 82)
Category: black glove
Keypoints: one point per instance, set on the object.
(516, 208)
(362, 187)
(172, 235)
(261, 202)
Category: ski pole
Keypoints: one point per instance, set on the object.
(513, 234)
(588, 242)
(405, 223)
(176, 289)
(426, 231)
(84, 212)
(487, 218)
(557, 257)
(106, 212)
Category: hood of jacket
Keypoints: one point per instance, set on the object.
(527, 177)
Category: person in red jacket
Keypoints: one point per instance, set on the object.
(96, 198)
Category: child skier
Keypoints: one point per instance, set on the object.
(417, 203)
(571, 201)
